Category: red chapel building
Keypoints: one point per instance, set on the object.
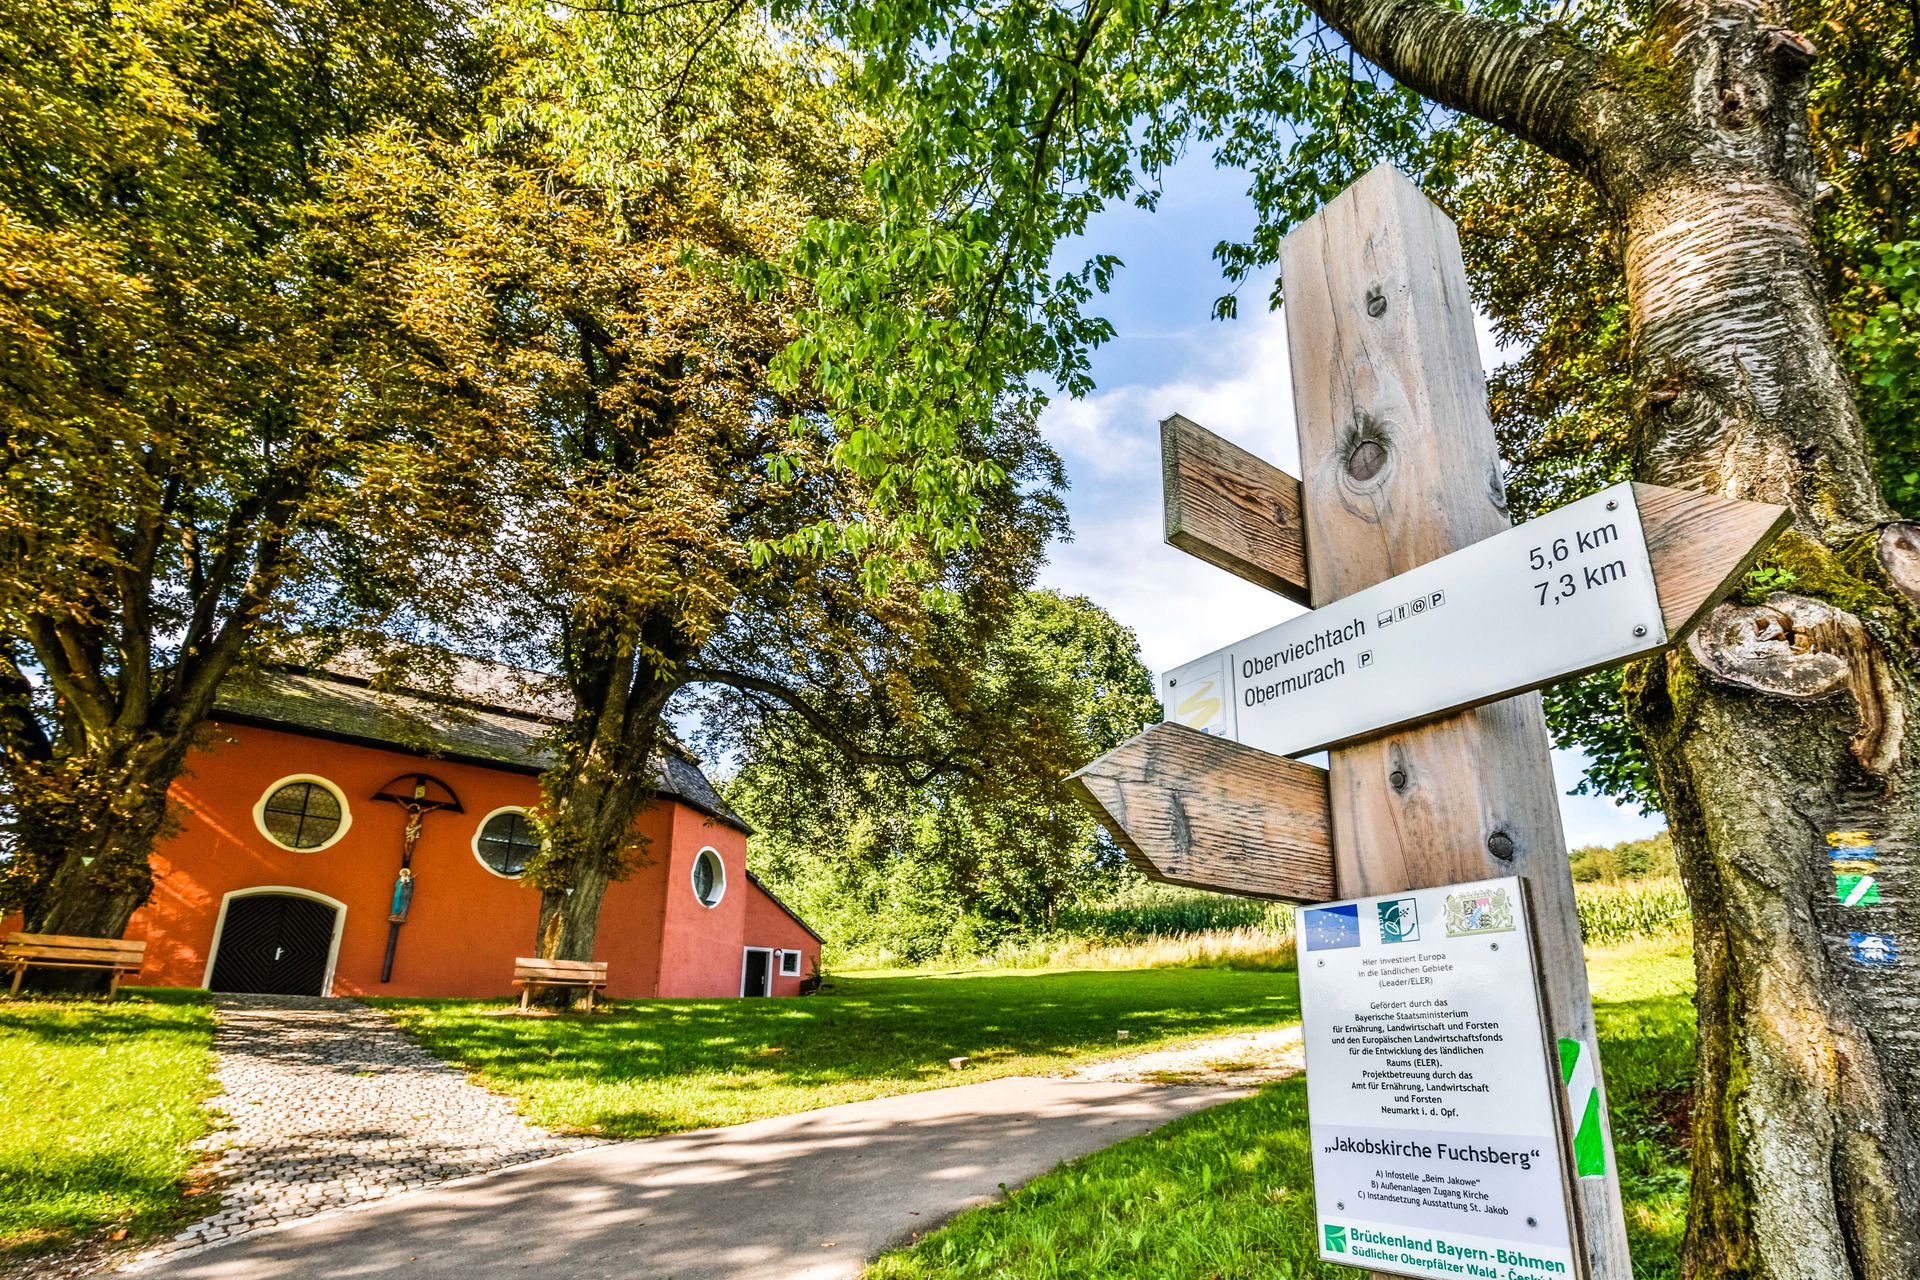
(285, 875)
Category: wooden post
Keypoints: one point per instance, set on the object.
(1399, 467)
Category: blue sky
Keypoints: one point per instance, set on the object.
(1231, 377)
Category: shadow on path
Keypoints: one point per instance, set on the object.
(800, 1197)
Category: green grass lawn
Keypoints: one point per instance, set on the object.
(1228, 1194)
(97, 1105)
(661, 1066)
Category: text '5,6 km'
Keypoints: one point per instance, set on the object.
(1564, 594)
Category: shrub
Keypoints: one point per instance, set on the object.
(1651, 858)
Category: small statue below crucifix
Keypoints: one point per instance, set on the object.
(419, 794)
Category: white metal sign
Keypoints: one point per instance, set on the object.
(1567, 593)
(1430, 1094)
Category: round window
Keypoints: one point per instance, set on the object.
(506, 841)
(303, 813)
(709, 878)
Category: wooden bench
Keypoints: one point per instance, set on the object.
(24, 951)
(529, 973)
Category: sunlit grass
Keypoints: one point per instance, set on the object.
(1228, 1194)
(1252, 947)
(98, 1102)
(662, 1066)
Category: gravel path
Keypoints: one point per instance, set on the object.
(810, 1196)
(328, 1104)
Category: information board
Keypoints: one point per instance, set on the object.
(1564, 594)
(1431, 1097)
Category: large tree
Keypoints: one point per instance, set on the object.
(201, 434)
(666, 519)
(1685, 125)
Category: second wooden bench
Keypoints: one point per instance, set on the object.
(529, 973)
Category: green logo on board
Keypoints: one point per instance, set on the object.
(1399, 921)
(1336, 1239)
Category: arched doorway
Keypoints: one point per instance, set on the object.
(276, 941)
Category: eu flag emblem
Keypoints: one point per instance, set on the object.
(1330, 928)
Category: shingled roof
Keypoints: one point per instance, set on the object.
(483, 713)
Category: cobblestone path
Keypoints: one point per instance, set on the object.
(328, 1104)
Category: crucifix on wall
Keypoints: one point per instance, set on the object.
(419, 794)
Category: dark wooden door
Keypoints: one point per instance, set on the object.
(274, 944)
(759, 971)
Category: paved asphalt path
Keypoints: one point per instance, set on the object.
(803, 1197)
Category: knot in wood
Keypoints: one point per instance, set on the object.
(1376, 301)
(1367, 459)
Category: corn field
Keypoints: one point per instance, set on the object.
(1624, 910)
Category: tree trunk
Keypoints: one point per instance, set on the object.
(97, 847)
(1781, 736)
(1784, 733)
(590, 804)
(570, 916)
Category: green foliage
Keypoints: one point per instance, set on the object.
(989, 847)
(1765, 579)
(97, 1105)
(213, 420)
(665, 1066)
(1585, 715)
(1143, 909)
(1885, 352)
(1228, 1194)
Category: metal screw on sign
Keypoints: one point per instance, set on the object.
(1500, 845)
(1376, 302)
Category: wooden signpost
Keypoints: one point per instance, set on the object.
(1402, 470)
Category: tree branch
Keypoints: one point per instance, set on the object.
(1538, 83)
(73, 678)
(21, 733)
(823, 725)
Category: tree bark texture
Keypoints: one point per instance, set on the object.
(591, 801)
(98, 848)
(1783, 735)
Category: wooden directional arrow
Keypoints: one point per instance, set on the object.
(1232, 509)
(1193, 809)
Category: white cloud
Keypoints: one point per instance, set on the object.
(1179, 606)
